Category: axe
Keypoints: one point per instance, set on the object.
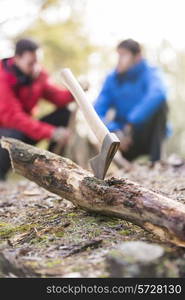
(108, 142)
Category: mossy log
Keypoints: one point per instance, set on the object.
(114, 197)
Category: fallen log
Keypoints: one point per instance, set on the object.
(114, 197)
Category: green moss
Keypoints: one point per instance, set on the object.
(53, 263)
(78, 268)
(39, 240)
(72, 214)
(90, 221)
(3, 224)
(109, 221)
(32, 264)
(7, 230)
(103, 276)
(125, 232)
(59, 234)
(94, 233)
(53, 217)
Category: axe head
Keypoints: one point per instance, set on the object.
(101, 162)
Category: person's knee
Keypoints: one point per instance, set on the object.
(60, 117)
(13, 133)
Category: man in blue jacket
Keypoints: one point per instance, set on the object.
(137, 93)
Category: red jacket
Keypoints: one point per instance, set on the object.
(17, 101)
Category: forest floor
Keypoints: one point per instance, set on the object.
(42, 235)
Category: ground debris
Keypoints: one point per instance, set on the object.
(140, 259)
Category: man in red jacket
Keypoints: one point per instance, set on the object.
(22, 84)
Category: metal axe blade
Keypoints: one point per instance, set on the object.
(101, 162)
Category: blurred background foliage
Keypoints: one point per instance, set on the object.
(60, 28)
(64, 42)
(172, 62)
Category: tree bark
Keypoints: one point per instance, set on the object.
(114, 197)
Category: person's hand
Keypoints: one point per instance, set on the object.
(125, 137)
(61, 135)
(84, 83)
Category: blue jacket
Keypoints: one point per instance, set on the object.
(135, 95)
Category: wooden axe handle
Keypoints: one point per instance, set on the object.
(97, 126)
